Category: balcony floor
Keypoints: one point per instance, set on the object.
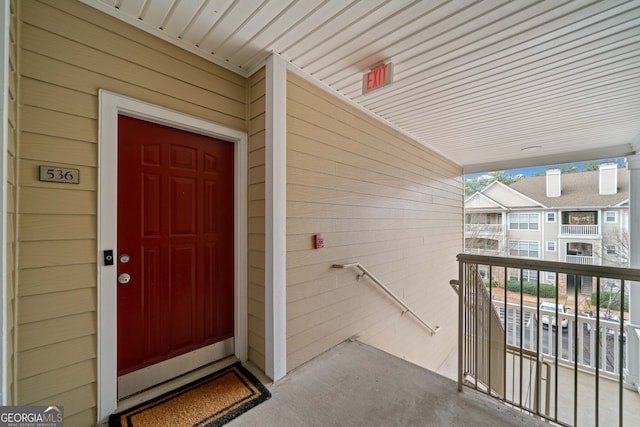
(356, 385)
(608, 399)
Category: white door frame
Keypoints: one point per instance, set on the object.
(5, 42)
(111, 105)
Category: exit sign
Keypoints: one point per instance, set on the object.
(378, 77)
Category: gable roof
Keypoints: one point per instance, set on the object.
(577, 189)
(481, 201)
(509, 196)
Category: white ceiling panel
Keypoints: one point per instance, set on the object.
(291, 17)
(130, 7)
(182, 15)
(480, 81)
(155, 16)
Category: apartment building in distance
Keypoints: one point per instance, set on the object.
(580, 218)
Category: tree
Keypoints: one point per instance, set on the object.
(615, 252)
(616, 248)
(569, 168)
(591, 166)
(474, 185)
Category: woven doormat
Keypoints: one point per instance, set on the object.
(211, 401)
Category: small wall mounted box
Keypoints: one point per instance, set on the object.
(318, 241)
(108, 257)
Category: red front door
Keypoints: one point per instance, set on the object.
(175, 243)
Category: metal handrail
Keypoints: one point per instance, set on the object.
(621, 273)
(455, 285)
(366, 272)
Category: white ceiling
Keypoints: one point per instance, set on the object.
(491, 84)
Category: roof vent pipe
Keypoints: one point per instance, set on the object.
(554, 187)
(608, 182)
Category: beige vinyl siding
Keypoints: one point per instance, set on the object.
(509, 197)
(69, 51)
(478, 202)
(10, 202)
(256, 219)
(380, 199)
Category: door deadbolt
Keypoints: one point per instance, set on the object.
(124, 258)
(124, 278)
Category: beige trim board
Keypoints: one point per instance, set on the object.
(5, 41)
(111, 105)
(276, 218)
(172, 368)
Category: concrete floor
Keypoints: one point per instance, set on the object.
(357, 385)
(607, 402)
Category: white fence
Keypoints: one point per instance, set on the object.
(579, 259)
(577, 339)
(580, 230)
(492, 229)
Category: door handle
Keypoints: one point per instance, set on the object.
(124, 278)
(124, 258)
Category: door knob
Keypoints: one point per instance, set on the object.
(124, 278)
(124, 258)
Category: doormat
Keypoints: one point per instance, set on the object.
(208, 402)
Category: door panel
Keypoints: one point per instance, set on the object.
(176, 222)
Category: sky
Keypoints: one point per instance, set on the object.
(532, 171)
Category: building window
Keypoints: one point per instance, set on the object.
(611, 217)
(524, 221)
(527, 275)
(551, 217)
(611, 249)
(524, 248)
(551, 246)
(551, 277)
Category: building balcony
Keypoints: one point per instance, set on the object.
(354, 384)
(489, 252)
(580, 230)
(579, 259)
(505, 356)
(511, 349)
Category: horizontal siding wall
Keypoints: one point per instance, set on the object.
(68, 52)
(380, 199)
(256, 219)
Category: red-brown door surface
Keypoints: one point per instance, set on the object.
(176, 226)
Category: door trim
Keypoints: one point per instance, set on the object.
(110, 106)
(131, 383)
(5, 322)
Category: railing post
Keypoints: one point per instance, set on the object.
(632, 377)
(461, 292)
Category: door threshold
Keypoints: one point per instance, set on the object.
(167, 386)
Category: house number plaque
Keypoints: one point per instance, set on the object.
(61, 175)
